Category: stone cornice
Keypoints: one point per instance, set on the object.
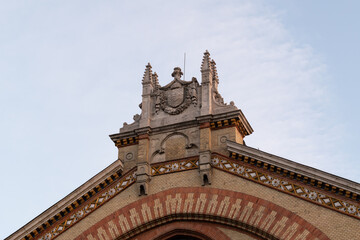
(130, 137)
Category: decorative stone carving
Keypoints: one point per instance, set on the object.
(129, 156)
(133, 125)
(193, 92)
(218, 98)
(136, 117)
(177, 96)
(157, 102)
(223, 139)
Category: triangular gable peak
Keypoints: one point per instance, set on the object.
(185, 131)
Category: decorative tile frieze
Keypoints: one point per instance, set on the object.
(293, 175)
(237, 168)
(89, 207)
(234, 166)
(174, 166)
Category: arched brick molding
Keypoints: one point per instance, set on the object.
(238, 210)
(187, 228)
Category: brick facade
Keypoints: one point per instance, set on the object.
(225, 185)
(239, 210)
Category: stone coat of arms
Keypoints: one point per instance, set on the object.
(175, 97)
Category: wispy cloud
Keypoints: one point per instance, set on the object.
(71, 74)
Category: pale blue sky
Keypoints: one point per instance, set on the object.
(70, 75)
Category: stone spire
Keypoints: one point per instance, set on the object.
(206, 69)
(148, 76)
(206, 83)
(206, 62)
(148, 88)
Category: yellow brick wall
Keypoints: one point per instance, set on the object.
(175, 147)
(334, 224)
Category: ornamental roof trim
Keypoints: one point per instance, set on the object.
(184, 165)
(295, 167)
(60, 206)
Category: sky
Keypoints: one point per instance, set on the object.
(70, 75)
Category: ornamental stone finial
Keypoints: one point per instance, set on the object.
(215, 74)
(156, 80)
(206, 65)
(148, 74)
(177, 73)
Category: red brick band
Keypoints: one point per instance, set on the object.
(258, 216)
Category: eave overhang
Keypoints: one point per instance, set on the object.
(54, 214)
(216, 120)
(296, 170)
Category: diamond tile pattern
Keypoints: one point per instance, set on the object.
(123, 183)
(295, 189)
(175, 166)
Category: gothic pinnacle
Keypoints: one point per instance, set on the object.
(215, 75)
(206, 65)
(147, 74)
(155, 79)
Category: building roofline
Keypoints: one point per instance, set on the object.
(294, 167)
(66, 201)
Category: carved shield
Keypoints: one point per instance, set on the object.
(175, 96)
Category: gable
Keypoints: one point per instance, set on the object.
(185, 154)
(172, 176)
